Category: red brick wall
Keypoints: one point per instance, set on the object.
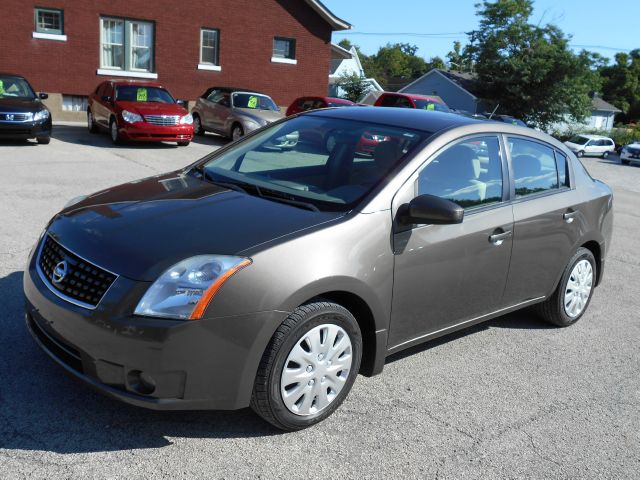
(247, 28)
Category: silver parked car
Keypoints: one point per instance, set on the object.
(234, 112)
(271, 278)
(630, 154)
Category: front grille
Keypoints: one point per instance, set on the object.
(163, 120)
(16, 117)
(71, 277)
(61, 350)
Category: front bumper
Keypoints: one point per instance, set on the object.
(24, 130)
(145, 132)
(625, 155)
(205, 364)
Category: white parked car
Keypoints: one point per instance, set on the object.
(593, 145)
(630, 154)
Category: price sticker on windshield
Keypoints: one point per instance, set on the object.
(141, 95)
(253, 102)
(1, 87)
(431, 106)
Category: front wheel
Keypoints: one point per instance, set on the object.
(571, 299)
(236, 132)
(308, 367)
(43, 140)
(183, 144)
(624, 162)
(91, 122)
(113, 131)
(605, 154)
(197, 125)
(580, 154)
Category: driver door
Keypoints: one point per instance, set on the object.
(445, 275)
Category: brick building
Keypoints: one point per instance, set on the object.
(67, 47)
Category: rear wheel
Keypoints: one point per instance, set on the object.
(91, 122)
(571, 299)
(580, 154)
(308, 367)
(605, 154)
(43, 140)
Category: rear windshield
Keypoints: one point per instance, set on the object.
(253, 101)
(431, 105)
(134, 93)
(329, 163)
(579, 140)
(15, 87)
(332, 104)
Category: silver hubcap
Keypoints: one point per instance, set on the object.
(316, 370)
(237, 133)
(578, 288)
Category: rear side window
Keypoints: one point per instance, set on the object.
(535, 169)
(468, 173)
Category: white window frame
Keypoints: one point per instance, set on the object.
(279, 59)
(49, 35)
(202, 65)
(127, 47)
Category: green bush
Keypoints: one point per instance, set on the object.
(621, 135)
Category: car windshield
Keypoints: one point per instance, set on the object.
(579, 140)
(431, 105)
(254, 101)
(15, 87)
(319, 162)
(134, 93)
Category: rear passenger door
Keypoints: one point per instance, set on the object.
(547, 218)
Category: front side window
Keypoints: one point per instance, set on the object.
(253, 101)
(579, 140)
(127, 45)
(284, 48)
(468, 173)
(534, 167)
(209, 39)
(290, 161)
(49, 21)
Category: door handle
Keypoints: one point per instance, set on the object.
(569, 216)
(499, 238)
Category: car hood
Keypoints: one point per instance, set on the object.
(260, 115)
(141, 228)
(20, 104)
(152, 108)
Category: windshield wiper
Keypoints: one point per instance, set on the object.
(206, 175)
(284, 198)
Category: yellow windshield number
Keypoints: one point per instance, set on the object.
(431, 106)
(1, 87)
(253, 102)
(141, 95)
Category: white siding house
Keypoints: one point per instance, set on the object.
(343, 62)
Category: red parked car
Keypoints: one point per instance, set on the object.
(303, 104)
(140, 111)
(410, 100)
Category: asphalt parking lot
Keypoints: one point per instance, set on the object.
(513, 398)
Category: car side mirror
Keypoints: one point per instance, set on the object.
(182, 103)
(429, 209)
(43, 96)
(106, 98)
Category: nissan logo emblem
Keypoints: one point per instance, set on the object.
(59, 272)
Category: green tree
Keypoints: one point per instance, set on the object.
(459, 59)
(435, 62)
(528, 69)
(621, 84)
(354, 85)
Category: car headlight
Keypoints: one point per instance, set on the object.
(186, 120)
(251, 125)
(131, 117)
(184, 290)
(41, 115)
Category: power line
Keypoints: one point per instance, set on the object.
(602, 47)
(407, 34)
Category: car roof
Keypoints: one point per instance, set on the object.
(235, 89)
(592, 137)
(9, 74)
(411, 118)
(415, 96)
(138, 83)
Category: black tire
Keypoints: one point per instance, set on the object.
(91, 122)
(197, 125)
(605, 154)
(184, 144)
(266, 399)
(237, 132)
(624, 162)
(552, 309)
(114, 134)
(43, 140)
(580, 154)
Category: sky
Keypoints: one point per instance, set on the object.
(596, 25)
